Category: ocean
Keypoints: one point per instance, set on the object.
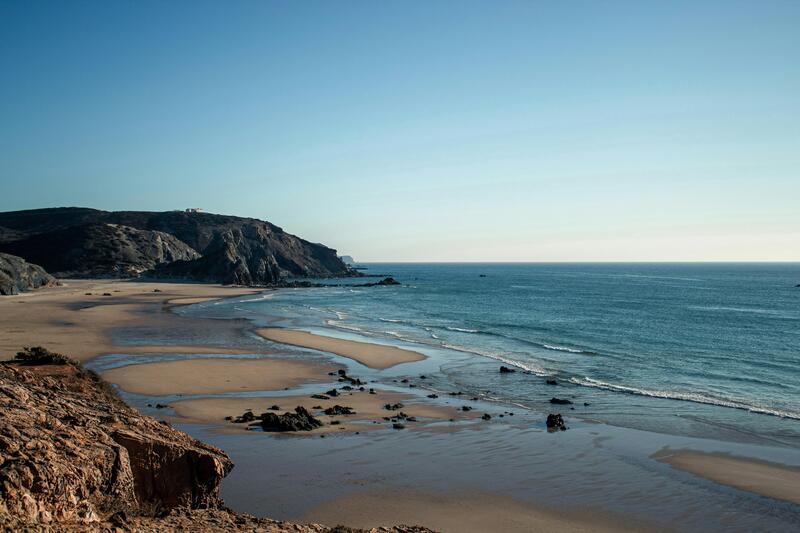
(688, 349)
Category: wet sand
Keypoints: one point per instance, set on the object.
(210, 376)
(78, 317)
(773, 480)
(461, 513)
(378, 356)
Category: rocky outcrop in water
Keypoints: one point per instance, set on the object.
(17, 275)
(560, 401)
(555, 422)
(173, 244)
(74, 457)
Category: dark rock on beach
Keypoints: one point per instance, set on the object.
(300, 420)
(245, 417)
(560, 401)
(555, 423)
(339, 410)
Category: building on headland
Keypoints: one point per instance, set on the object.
(193, 210)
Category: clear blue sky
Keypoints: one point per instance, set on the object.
(436, 130)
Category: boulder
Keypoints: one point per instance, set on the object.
(339, 410)
(555, 423)
(300, 420)
(560, 401)
(17, 275)
(506, 370)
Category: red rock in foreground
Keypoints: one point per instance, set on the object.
(74, 457)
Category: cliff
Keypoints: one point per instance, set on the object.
(74, 457)
(171, 244)
(17, 275)
(101, 250)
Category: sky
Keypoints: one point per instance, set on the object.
(420, 131)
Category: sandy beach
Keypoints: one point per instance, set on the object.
(78, 317)
(761, 477)
(209, 376)
(367, 353)
(464, 513)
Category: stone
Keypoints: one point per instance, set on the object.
(555, 423)
(560, 401)
(300, 420)
(339, 410)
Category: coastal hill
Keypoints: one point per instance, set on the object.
(77, 458)
(189, 245)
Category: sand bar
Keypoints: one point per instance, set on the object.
(210, 376)
(773, 480)
(368, 407)
(373, 355)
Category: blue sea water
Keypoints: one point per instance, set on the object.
(696, 349)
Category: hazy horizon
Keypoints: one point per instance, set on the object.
(420, 132)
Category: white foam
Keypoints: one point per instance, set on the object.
(686, 396)
(499, 357)
(562, 348)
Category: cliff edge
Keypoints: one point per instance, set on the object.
(74, 457)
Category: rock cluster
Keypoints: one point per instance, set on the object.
(300, 420)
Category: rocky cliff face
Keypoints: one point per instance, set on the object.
(101, 250)
(227, 249)
(74, 453)
(17, 275)
(74, 457)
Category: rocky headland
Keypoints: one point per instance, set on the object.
(74, 457)
(88, 243)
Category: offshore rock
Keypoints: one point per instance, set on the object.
(555, 423)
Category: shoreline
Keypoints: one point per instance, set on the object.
(66, 316)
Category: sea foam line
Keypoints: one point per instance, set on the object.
(685, 396)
